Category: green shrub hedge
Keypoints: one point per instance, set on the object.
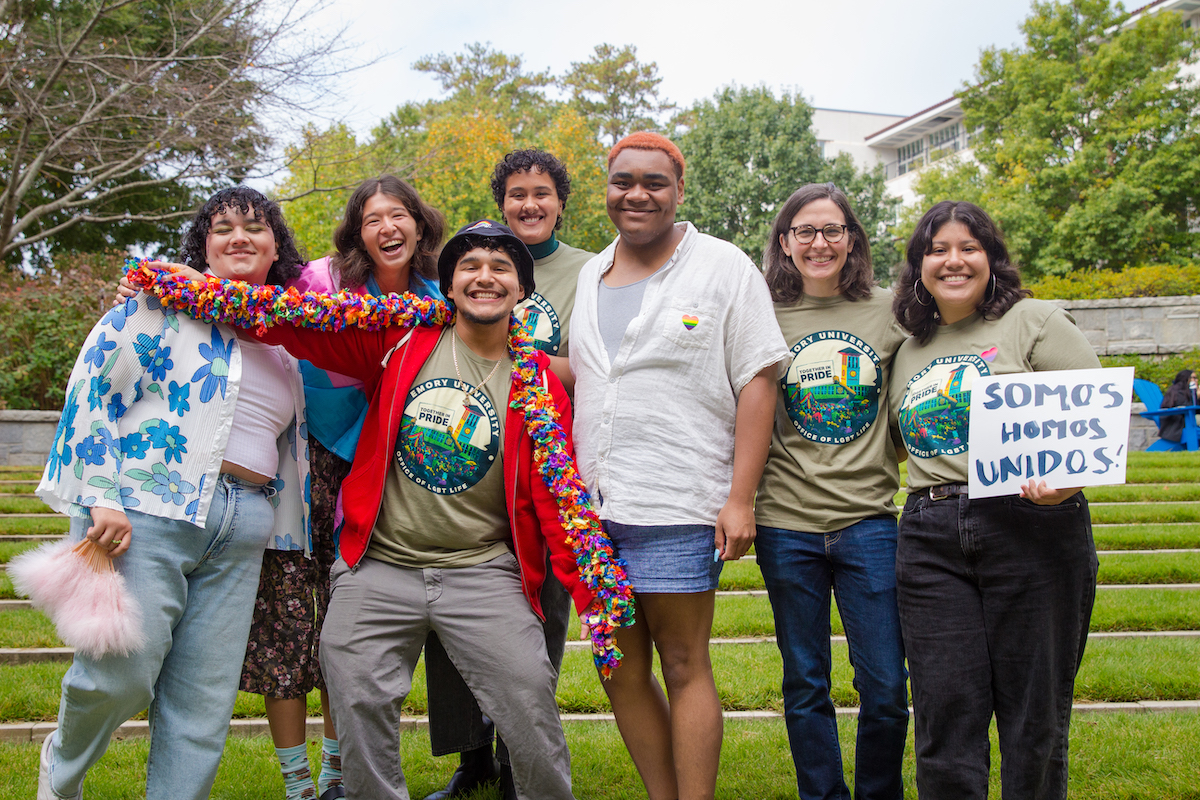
(1160, 372)
(45, 319)
(1157, 280)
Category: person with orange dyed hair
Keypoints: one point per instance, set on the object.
(674, 346)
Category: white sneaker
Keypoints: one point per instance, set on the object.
(44, 791)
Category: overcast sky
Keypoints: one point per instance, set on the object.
(859, 55)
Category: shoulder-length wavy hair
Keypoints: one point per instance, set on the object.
(352, 262)
(784, 279)
(918, 313)
(243, 198)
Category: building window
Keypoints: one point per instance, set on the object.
(911, 156)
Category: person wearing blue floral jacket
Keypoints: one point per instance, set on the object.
(182, 450)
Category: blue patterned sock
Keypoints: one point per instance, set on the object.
(297, 778)
(331, 765)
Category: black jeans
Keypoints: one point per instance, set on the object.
(995, 599)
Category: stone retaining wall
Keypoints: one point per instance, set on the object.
(26, 436)
(1143, 326)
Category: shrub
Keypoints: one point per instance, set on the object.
(44, 320)
(1150, 369)
(1158, 280)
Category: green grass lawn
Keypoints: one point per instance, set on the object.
(748, 677)
(1143, 514)
(1144, 492)
(1113, 757)
(34, 527)
(23, 505)
(1146, 537)
(10, 549)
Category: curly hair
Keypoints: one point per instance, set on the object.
(527, 161)
(244, 199)
(920, 317)
(352, 262)
(857, 276)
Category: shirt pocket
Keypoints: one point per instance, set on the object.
(690, 325)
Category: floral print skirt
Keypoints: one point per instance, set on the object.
(293, 594)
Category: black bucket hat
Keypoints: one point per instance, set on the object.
(464, 240)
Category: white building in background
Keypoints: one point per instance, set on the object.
(906, 144)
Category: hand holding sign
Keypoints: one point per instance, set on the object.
(1065, 428)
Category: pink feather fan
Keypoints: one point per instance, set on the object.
(77, 587)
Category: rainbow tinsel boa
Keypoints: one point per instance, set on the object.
(247, 305)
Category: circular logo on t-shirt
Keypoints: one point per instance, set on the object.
(444, 445)
(831, 388)
(541, 322)
(936, 407)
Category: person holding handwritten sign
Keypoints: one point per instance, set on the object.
(825, 510)
(995, 594)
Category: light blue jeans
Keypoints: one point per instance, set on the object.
(196, 588)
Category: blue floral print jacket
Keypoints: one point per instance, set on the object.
(149, 407)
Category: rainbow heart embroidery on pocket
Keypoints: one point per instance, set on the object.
(990, 354)
(690, 322)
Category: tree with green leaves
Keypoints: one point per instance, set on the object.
(1088, 143)
(489, 82)
(747, 151)
(616, 91)
(119, 112)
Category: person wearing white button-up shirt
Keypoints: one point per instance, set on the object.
(673, 347)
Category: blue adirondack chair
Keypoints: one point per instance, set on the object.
(1149, 393)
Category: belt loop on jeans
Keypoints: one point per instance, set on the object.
(947, 490)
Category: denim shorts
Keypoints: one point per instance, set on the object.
(667, 559)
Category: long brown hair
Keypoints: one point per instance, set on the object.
(352, 262)
(783, 277)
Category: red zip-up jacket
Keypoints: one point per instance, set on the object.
(387, 367)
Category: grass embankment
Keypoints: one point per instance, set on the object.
(748, 677)
(1113, 757)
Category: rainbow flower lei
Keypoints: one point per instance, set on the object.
(254, 306)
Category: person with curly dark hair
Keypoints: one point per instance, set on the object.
(995, 593)
(531, 188)
(388, 241)
(185, 456)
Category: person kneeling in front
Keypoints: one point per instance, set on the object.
(447, 525)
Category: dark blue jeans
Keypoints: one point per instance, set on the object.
(995, 600)
(859, 564)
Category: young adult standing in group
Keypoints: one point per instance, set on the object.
(387, 242)
(825, 511)
(531, 188)
(995, 593)
(673, 346)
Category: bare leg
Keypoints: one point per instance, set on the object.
(287, 719)
(681, 625)
(643, 715)
(330, 733)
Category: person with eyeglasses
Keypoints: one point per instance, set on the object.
(825, 510)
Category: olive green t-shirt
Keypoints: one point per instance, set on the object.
(832, 461)
(931, 383)
(443, 500)
(547, 312)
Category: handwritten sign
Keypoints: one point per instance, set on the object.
(1068, 428)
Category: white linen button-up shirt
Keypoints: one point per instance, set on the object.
(654, 428)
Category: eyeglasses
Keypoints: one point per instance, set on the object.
(806, 233)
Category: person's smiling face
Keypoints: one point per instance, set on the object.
(643, 195)
(532, 207)
(240, 247)
(820, 261)
(485, 287)
(956, 272)
(389, 232)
